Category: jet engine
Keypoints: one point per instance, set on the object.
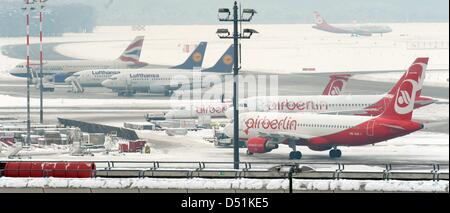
(260, 145)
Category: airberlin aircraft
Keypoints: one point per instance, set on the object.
(264, 131)
(369, 105)
(219, 109)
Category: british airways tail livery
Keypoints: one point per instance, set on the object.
(133, 52)
(195, 60)
(358, 30)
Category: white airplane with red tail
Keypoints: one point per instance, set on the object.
(354, 30)
(332, 101)
(264, 131)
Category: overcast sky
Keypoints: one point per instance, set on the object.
(129, 12)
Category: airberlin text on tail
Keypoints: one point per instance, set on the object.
(401, 102)
(195, 60)
(133, 52)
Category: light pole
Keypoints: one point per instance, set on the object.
(245, 15)
(27, 10)
(41, 7)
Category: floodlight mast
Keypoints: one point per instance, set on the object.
(238, 18)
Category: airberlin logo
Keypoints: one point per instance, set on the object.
(403, 101)
(319, 19)
(336, 87)
(286, 123)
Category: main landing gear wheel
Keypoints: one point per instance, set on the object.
(295, 155)
(249, 153)
(335, 153)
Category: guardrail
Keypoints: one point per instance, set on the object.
(298, 170)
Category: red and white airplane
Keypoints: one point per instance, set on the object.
(216, 109)
(264, 131)
(354, 30)
(331, 102)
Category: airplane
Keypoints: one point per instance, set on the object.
(264, 131)
(365, 105)
(162, 81)
(95, 77)
(59, 70)
(336, 84)
(360, 30)
(216, 109)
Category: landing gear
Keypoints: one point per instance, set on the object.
(168, 93)
(294, 155)
(335, 153)
(249, 153)
(126, 93)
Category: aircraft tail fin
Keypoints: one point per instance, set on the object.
(319, 21)
(403, 96)
(195, 59)
(336, 84)
(422, 62)
(133, 52)
(225, 63)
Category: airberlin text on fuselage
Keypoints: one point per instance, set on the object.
(297, 106)
(286, 123)
(211, 109)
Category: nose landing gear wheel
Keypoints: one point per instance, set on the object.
(295, 155)
(335, 153)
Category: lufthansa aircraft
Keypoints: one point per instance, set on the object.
(95, 77)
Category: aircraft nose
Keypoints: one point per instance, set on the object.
(107, 83)
(228, 130)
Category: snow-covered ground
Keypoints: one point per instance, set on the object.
(418, 147)
(227, 184)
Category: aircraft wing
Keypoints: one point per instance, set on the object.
(355, 72)
(434, 124)
(351, 112)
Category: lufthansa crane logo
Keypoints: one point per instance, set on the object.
(197, 57)
(227, 59)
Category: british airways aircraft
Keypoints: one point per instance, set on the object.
(58, 70)
(356, 30)
(95, 77)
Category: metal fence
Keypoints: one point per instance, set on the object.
(300, 170)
